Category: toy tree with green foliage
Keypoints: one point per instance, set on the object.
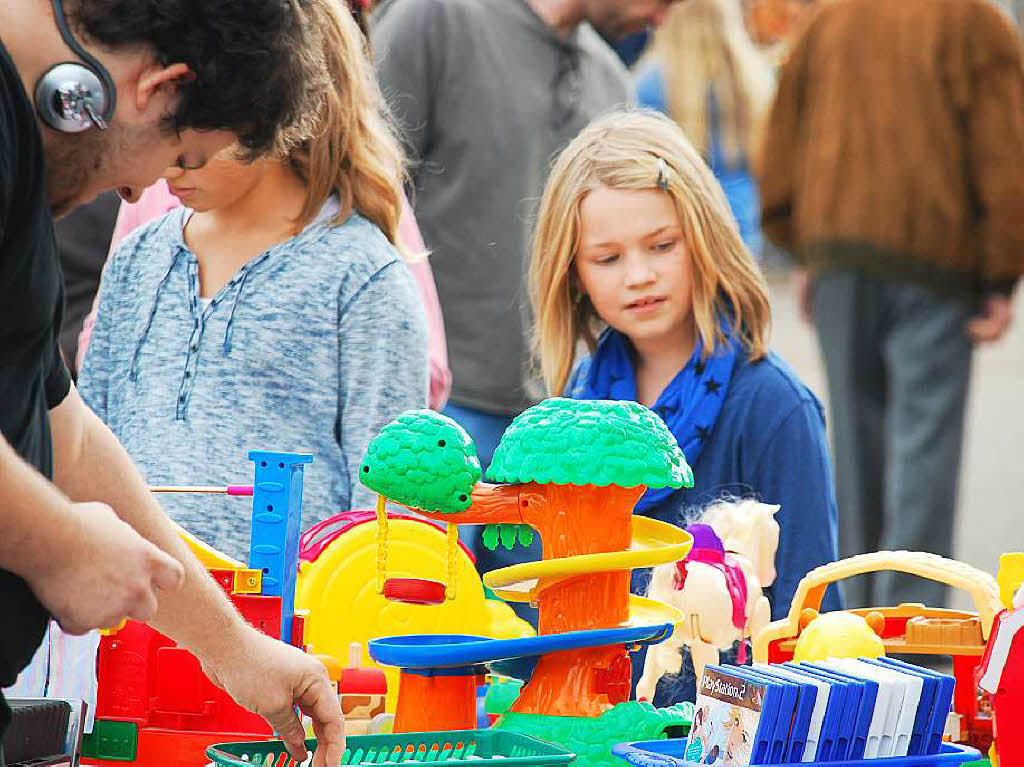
(577, 469)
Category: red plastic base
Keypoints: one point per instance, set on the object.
(165, 748)
(414, 591)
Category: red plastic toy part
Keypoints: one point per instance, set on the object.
(414, 591)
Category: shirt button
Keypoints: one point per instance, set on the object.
(188, 374)
(181, 398)
(195, 347)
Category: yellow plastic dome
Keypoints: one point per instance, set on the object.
(838, 635)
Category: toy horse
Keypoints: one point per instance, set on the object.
(717, 587)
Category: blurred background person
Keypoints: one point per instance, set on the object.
(83, 240)
(486, 92)
(773, 22)
(893, 167)
(704, 72)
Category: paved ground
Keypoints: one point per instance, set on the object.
(991, 517)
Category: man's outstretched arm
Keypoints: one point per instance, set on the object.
(262, 674)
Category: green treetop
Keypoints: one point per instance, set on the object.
(590, 442)
(422, 459)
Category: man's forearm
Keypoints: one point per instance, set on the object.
(33, 513)
(91, 465)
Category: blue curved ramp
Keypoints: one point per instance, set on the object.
(443, 650)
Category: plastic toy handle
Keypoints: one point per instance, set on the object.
(981, 587)
(641, 758)
(246, 490)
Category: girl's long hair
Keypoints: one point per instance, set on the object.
(623, 150)
(347, 145)
(703, 48)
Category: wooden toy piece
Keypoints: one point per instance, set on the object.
(362, 692)
(717, 587)
(241, 490)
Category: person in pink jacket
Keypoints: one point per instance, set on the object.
(158, 200)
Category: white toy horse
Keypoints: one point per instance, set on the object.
(717, 588)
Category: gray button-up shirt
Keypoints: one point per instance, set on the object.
(312, 346)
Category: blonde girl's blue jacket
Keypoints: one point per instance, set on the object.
(312, 346)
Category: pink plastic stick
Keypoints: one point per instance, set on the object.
(229, 490)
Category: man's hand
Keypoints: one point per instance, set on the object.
(101, 571)
(262, 674)
(803, 287)
(989, 326)
(271, 678)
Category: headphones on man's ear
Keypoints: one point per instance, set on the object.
(73, 97)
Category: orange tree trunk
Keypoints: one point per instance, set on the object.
(571, 520)
(574, 520)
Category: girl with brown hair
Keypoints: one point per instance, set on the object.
(273, 309)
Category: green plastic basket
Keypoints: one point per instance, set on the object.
(461, 747)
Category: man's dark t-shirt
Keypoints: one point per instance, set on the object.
(33, 378)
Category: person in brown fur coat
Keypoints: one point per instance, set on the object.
(893, 169)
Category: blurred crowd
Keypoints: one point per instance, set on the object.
(835, 149)
(471, 205)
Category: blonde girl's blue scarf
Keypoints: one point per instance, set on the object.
(689, 405)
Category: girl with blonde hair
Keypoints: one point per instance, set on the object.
(637, 258)
(705, 73)
(271, 310)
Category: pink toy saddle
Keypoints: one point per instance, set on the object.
(709, 550)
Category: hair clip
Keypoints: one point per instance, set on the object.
(662, 181)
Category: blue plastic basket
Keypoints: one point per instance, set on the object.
(669, 753)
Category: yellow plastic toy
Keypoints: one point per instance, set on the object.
(839, 635)
(1010, 577)
(246, 581)
(416, 591)
(929, 630)
(339, 592)
(651, 543)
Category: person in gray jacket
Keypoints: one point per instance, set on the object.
(486, 92)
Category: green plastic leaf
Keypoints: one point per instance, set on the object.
(509, 534)
(424, 460)
(525, 535)
(490, 537)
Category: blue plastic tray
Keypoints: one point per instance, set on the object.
(669, 753)
(440, 650)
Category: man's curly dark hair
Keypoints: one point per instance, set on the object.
(247, 56)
